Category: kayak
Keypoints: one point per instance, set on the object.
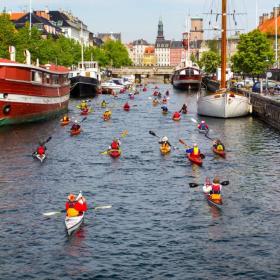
(176, 118)
(63, 123)
(155, 102)
(164, 101)
(195, 159)
(85, 112)
(114, 153)
(39, 157)
(214, 200)
(165, 150)
(220, 153)
(106, 118)
(204, 131)
(75, 132)
(165, 112)
(73, 223)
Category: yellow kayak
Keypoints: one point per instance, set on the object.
(165, 149)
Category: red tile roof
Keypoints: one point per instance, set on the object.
(268, 26)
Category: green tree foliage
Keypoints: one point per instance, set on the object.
(254, 54)
(209, 61)
(62, 51)
(213, 45)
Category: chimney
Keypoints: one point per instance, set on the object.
(12, 51)
(27, 57)
(261, 20)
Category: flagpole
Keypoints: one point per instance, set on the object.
(30, 16)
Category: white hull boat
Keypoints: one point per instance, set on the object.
(223, 105)
(73, 223)
(41, 158)
(112, 86)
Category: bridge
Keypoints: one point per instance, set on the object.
(143, 71)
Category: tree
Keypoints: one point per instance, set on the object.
(254, 54)
(209, 61)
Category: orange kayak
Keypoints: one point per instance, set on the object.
(75, 132)
(195, 159)
(214, 200)
(62, 123)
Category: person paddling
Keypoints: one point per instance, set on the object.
(195, 152)
(218, 145)
(184, 109)
(164, 108)
(214, 188)
(126, 106)
(75, 126)
(41, 150)
(65, 118)
(203, 126)
(75, 206)
(83, 105)
(115, 145)
(164, 142)
(103, 104)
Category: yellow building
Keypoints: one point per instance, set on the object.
(149, 57)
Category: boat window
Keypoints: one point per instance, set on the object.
(47, 78)
(55, 79)
(36, 76)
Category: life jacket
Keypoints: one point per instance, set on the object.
(65, 119)
(165, 145)
(40, 150)
(73, 208)
(216, 188)
(115, 145)
(176, 115)
(126, 105)
(75, 127)
(195, 151)
(220, 147)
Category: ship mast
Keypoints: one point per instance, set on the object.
(224, 44)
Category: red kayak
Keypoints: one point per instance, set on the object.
(220, 153)
(126, 107)
(114, 153)
(85, 112)
(75, 132)
(195, 159)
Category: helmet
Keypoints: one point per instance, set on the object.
(202, 121)
(75, 121)
(71, 197)
(164, 139)
(195, 145)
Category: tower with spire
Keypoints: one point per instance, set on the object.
(160, 36)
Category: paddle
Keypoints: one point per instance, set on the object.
(45, 142)
(124, 133)
(153, 133)
(194, 185)
(64, 211)
(187, 146)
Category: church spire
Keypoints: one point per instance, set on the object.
(160, 36)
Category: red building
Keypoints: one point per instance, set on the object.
(177, 53)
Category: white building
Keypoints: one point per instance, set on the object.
(138, 51)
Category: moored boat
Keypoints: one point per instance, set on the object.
(187, 77)
(195, 159)
(73, 223)
(31, 93)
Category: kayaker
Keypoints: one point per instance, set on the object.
(159, 95)
(164, 100)
(203, 126)
(65, 118)
(218, 145)
(164, 108)
(184, 109)
(75, 126)
(176, 115)
(41, 150)
(75, 207)
(195, 152)
(83, 105)
(214, 188)
(103, 103)
(107, 114)
(167, 93)
(126, 106)
(164, 142)
(115, 145)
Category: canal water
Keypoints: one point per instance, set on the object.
(158, 227)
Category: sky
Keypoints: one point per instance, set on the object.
(137, 19)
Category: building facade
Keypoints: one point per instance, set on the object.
(109, 36)
(138, 51)
(177, 53)
(149, 58)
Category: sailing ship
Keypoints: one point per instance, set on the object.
(223, 103)
(189, 75)
(31, 92)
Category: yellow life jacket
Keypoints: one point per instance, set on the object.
(72, 212)
(220, 147)
(215, 196)
(195, 151)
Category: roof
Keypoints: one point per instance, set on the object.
(150, 50)
(34, 19)
(163, 43)
(140, 42)
(97, 41)
(115, 36)
(57, 68)
(56, 16)
(16, 16)
(4, 60)
(176, 45)
(268, 26)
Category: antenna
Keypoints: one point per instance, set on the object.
(30, 17)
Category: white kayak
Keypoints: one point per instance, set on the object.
(39, 157)
(204, 131)
(73, 223)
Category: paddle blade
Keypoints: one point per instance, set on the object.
(193, 185)
(202, 156)
(225, 183)
(48, 139)
(152, 133)
(194, 120)
(48, 214)
(182, 142)
(102, 207)
(83, 119)
(104, 153)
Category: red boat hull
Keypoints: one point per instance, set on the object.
(115, 153)
(75, 132)
(220, 153)
(25, 97)
(195, 160)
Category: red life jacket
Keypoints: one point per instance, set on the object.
(176, 115)
(81, 207)
(216, 188)
(40, 150)
(126, 105)
(114, 145)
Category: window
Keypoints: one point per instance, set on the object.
(36, 76)
(55, 79)
(47, 78)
